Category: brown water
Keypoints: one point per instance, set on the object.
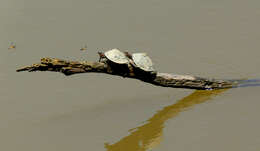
(48, 111)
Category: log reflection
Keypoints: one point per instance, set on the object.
(149, 135)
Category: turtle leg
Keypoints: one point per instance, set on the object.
(101, 59)
(153, 74)
(131, 70)
(109, 69)
(124, 70)
(124, 75)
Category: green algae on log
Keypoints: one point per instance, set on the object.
(160, 79)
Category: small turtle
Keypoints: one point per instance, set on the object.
(141, 61)
(142, 64)
(117, 60)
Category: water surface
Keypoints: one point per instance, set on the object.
(48, 111)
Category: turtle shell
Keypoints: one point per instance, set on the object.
(116, 56)
(143, 62)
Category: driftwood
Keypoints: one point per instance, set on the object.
(159, 79)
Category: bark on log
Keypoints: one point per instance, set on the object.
(160, 79)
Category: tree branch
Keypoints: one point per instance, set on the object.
(160, 79)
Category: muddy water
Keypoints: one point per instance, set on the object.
(48, 111)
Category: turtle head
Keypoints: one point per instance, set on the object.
(101, 54)
(128, 55)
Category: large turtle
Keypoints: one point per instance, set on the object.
(113, 55)
(117, 60)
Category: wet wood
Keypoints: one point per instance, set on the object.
(159, 79)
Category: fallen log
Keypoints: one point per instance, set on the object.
(159, 79)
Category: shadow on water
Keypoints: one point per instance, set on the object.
(248, 83)
(149, 135)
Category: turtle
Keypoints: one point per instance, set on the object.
(142, 62)
(117, 60)
(113, 55)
